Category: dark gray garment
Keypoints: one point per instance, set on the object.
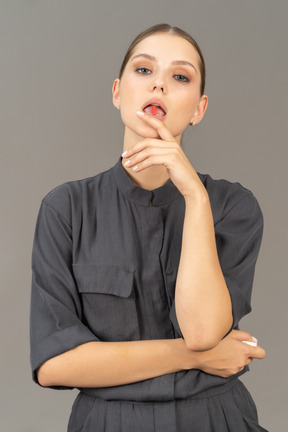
(105, 261)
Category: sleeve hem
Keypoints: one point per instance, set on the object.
(57, 344)
(240, 305)
(174, 321)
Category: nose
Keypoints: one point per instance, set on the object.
(160, 84)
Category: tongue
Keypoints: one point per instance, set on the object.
(159, 110)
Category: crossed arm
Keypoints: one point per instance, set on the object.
(104, 364)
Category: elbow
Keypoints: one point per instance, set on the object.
(41, 377)
(205, 338)
(45, 374)
(201, 341)
(198, 346)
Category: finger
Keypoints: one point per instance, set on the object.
(258, 352)
(157, 124)
(254, 352)
(148, 152)
(150, 161)
(148, 143)
(254, 344)
(241, 335)
(244, 337)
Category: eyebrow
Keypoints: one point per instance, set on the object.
(175, 62)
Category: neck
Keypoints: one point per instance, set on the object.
(150, 178)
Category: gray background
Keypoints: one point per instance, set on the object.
(57, 123)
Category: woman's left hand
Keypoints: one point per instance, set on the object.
(167, 152)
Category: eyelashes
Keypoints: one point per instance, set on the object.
(181, 78)
(147, 71)
(143, 70)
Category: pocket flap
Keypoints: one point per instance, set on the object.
(104, 279)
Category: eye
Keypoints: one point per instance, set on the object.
(143, 70)
(181, 78)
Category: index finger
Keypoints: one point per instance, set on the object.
(241, 335)
(258, 353)
(157, 124)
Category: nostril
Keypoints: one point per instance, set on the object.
(159, 86)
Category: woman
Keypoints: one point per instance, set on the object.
(142, 273)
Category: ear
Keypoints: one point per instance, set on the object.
(116, 93)
(200, 111)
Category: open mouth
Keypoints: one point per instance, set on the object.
(154, 108)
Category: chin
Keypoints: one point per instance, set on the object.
(143, 132)
(152, 133)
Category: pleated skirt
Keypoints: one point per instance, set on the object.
(229, 408)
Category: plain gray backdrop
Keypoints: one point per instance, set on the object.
(57, 123)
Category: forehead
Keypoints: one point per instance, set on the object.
(168, 47)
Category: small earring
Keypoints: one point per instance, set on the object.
(118, 107)
(193, 123)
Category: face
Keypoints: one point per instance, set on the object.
(163, 70)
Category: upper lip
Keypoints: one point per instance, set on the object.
(155, 101)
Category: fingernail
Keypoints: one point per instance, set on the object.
(254, 344)
(127, 163)
(124, 153)
(140, 113)
(254, 339)
(135, 168)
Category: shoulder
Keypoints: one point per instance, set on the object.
(71, 195)
(230, 197)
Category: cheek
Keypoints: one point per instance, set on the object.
(180, 119)
(177, 126)
(182, 112)
(128, 100)
(128, 85)
(190, 102)
(188, 109)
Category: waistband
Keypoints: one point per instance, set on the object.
(209, 392)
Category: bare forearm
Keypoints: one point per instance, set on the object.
(105, 364)
(203, 303)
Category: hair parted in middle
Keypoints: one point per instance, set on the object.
(166, 28)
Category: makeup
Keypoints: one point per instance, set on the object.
(254, 343)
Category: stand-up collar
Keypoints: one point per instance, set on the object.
(160, 196)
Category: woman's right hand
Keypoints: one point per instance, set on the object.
(230, 356)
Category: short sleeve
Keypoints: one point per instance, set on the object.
(238, 238)
(55, 314)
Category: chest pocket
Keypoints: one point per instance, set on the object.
(109, 307)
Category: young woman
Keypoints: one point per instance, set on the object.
(142, 273)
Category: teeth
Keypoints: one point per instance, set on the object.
(158, 106)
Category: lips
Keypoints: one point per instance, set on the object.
(160, 110)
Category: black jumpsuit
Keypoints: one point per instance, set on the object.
(105, 261)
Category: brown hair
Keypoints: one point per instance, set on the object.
(166, 28)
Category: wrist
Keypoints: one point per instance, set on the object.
(187, 359)
(197, 196)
